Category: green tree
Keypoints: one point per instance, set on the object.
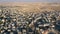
(1, 22)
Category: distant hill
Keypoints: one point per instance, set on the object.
(33, 7)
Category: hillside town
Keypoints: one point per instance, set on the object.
(13, 21)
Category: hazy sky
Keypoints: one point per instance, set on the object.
(29, 0)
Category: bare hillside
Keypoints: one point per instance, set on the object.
(32, 7)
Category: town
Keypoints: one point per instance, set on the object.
(13, 21)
